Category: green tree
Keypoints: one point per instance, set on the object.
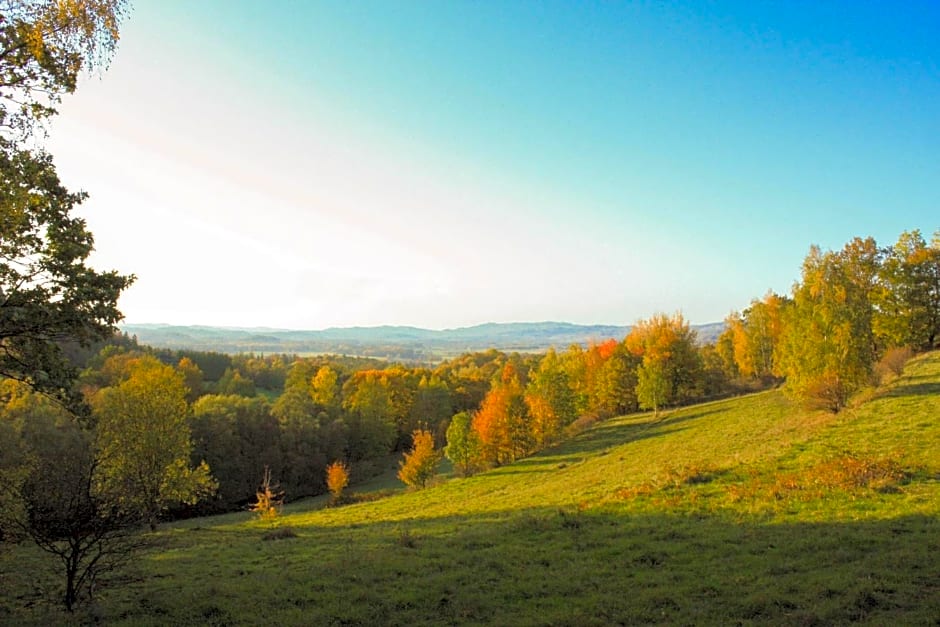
(47, 292)
(653, 386)
(907, 301)
(144, 442)
(463, 444)
(47, 493)
(420, 463)
(551, 401)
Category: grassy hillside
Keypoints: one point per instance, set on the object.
(741, 511)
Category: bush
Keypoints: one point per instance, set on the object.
(828, 392)
(892, 363)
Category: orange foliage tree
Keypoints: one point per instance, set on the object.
(502, 421)
(420, 464)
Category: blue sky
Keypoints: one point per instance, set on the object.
(311, 164)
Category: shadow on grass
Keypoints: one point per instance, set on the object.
(556, 566)
(616, 433)
(915, 389)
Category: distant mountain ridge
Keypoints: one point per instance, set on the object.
(392, 342)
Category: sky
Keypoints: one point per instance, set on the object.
(304, 164)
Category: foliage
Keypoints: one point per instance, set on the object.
(551, 401)
(652, 387)
(45, 44)
(908, 296)
(892, 362)
(337, 478)
(420, 463)
(667, 347)
(144, 444)
(501, 422)
(827, 348)
(47, 292)
(551, 537)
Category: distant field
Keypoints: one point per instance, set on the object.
(742, 511)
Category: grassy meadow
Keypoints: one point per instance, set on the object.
(748, 510)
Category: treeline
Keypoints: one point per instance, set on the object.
(852, 317)
(294, 416)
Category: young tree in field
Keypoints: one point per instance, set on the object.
(337, 478)
(144, 444)
(420, 464)
(48, 495)
(463, 444)
(652, 387)
(269, 498)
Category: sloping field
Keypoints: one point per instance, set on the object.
(743, 511)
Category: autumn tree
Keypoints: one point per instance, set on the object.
(614, 391)
(144, 443)
(463, 444)
(502, 420)
(420, 463)
(337, 478)
(666, 346)
(325, 392)
(827, 348)
(370, 413)
(755, 334)
(432, 405)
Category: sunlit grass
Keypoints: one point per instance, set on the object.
(739, 511)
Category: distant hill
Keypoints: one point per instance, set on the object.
(393, 342)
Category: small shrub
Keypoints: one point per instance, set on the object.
(337, 478)
(269, 498)
(826, 392)
(892, 363)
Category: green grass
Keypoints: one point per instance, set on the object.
(742, 511)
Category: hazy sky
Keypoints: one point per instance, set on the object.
(310, 164)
